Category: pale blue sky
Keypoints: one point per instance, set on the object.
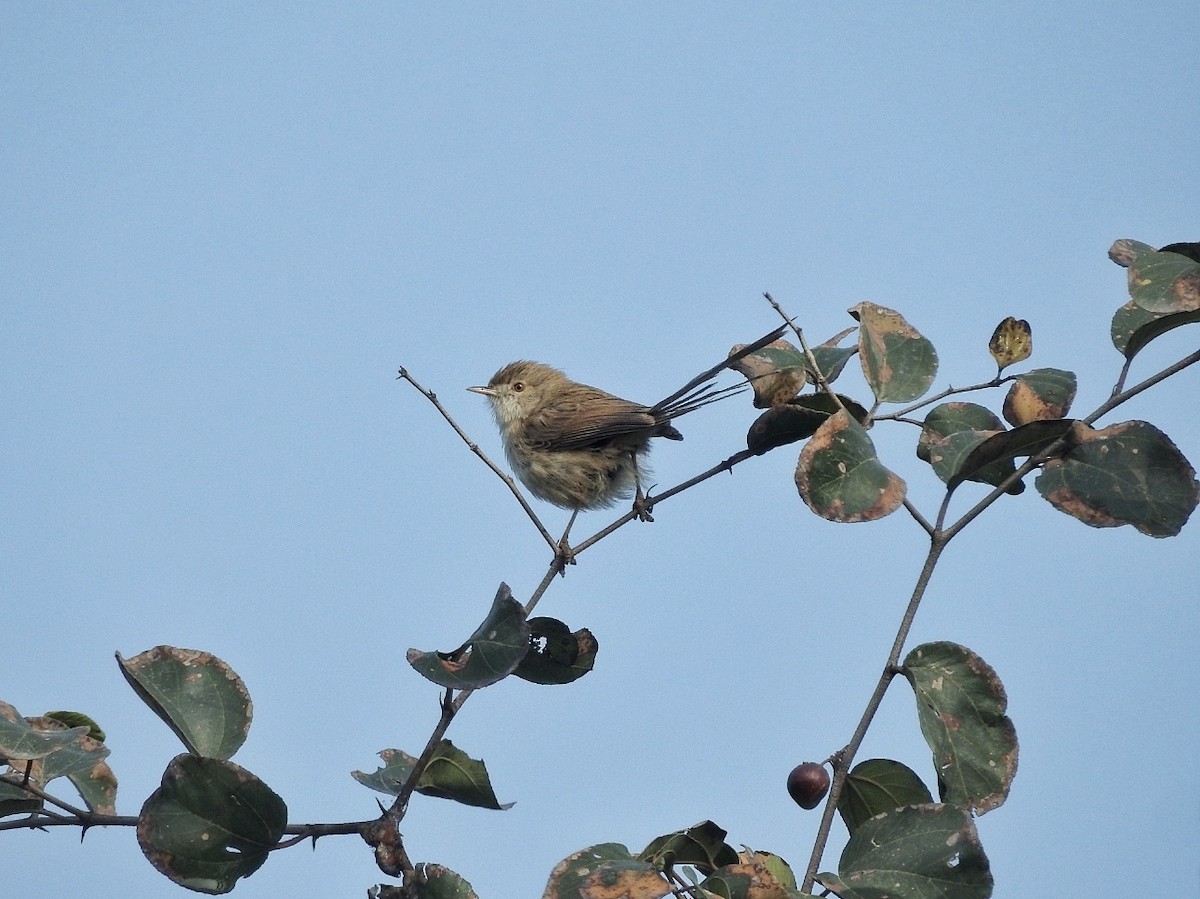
(226, 227)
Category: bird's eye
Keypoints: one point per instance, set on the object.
(518, 386)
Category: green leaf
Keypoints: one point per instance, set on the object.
(951, 432)
(210, 823)
(451, 774)
(1133, 327)
(897, 361)
(82, 763)
(840, 477)
(918, 852)
(557, 656)
(199, 697)
(950, 418)
(78, 719)
(490, 654)
(831, 358)
(1038, 395)
(702, 846)
(1123, 252)
(42, 749)
(21, 742)
(1128, 473)
(876, 786)
(961, 707)
(1001, 449)
(1165, 282)
(603, 870)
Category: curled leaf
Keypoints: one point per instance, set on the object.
(556, 655)
(489, 655)
(777, 372)
(702, 846)
(1125, 251)
(831, 358)
(451, 774)
(1133, 327)
(796, 420)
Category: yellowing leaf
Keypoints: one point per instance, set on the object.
(1040, 395)
(1011, 342)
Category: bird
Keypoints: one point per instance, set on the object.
(581, 448)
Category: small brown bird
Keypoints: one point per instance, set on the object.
(579, 447)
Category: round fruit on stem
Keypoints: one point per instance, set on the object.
(807, 784)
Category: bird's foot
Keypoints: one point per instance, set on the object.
(642, 507)
(564, 555)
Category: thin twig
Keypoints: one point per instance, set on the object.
(474, 447)
(918, 517)
(651, 501)
(782, 314)
(938, 397)
(1118, 398)
(844, 758)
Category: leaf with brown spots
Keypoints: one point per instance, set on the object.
(210, 823)
(777, 372)
(897, 361)
(1011, 342)
(199, 697)
(961, 707)
(1165, 282)
(840, 476)
(927, 851)
(605, 871)
(1039, 395)
(1128, 473)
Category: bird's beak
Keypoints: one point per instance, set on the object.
(486, 391)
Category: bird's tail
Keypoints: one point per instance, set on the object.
(701, 390)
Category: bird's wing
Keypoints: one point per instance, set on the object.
(562, 426)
